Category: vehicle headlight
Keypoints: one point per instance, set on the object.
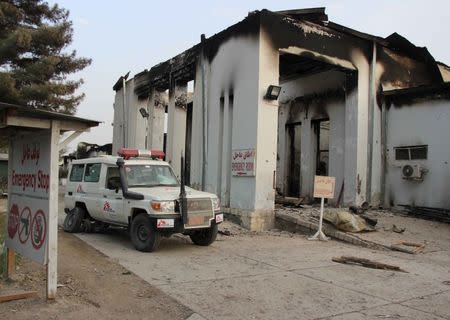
(163, 206)
(216, 204)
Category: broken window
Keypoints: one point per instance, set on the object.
(411, 153)
(77, 172)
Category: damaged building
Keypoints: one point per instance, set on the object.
(283, 96)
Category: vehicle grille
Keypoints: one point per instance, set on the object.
(199, 212)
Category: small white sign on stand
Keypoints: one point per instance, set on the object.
(323, 188)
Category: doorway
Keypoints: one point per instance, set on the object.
(293, 156)
(322, 131)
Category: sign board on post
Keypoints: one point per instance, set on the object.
(323, 188)
(243, 162)
(28, 201)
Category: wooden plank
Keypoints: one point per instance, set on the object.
(10, 256)
(52, 251)
(18, 121)
(66, 125)
(10, 263)
(18, 296)
(367, 263)
(27, 122)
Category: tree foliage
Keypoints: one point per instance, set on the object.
(34, 62)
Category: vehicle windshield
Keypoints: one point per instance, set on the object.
(150, 176)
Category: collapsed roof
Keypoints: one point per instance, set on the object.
(405, 65)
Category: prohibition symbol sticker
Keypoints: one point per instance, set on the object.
(13, 220)
(38, 230)
(24, 225)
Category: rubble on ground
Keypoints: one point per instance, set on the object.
(343, 219)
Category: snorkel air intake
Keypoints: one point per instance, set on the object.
(123, 181)
(183, 199)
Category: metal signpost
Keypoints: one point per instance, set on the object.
(323, 188)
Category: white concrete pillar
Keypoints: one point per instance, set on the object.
(307, 158)
(267, 130)
(176, 126)
(118, 122)
(356, 133)
(155, 125)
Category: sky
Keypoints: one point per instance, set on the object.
(133, 35)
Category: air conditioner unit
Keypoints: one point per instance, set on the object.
(414, 171)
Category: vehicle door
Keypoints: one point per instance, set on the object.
(112, 198)
(92, 193)
(73, 185)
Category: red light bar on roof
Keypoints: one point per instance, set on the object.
(134, 153)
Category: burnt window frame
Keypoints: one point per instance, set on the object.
(410, 149)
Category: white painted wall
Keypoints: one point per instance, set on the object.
(234, 70)
(423, 123)
(176, 128)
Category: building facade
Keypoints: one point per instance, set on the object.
(339, 113)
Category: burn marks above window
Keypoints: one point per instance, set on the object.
(411, 153)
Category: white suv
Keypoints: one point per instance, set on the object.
(141, 194)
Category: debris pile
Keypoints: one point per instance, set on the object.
(355, 219)
(348, 222)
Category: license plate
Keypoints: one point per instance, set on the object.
(196, 220)
(165, 223)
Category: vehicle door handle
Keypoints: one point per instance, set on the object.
(119, 198)
(104, 196)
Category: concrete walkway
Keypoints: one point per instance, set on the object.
(282, 276)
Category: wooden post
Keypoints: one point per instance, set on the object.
(52, 250)
(10, 254)
(10, 263)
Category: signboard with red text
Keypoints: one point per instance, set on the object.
(243, 162)
(28, 198)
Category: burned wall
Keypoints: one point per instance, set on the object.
(422, 123)
(303, 100)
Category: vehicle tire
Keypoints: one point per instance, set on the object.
(74, 219)
(143, 233)
(204, 237)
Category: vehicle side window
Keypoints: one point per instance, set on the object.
(112, 178)
(77, 172)
(92, 172)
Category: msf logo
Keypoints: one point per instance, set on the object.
(107, 207)
(80, 189)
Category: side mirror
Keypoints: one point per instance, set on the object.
(114, 183)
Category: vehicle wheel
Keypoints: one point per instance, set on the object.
(73, 220)
(144, 235)
(204, 237)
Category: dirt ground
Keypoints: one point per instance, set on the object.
(92, 286)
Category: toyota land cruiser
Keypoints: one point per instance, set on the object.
(139, 191)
